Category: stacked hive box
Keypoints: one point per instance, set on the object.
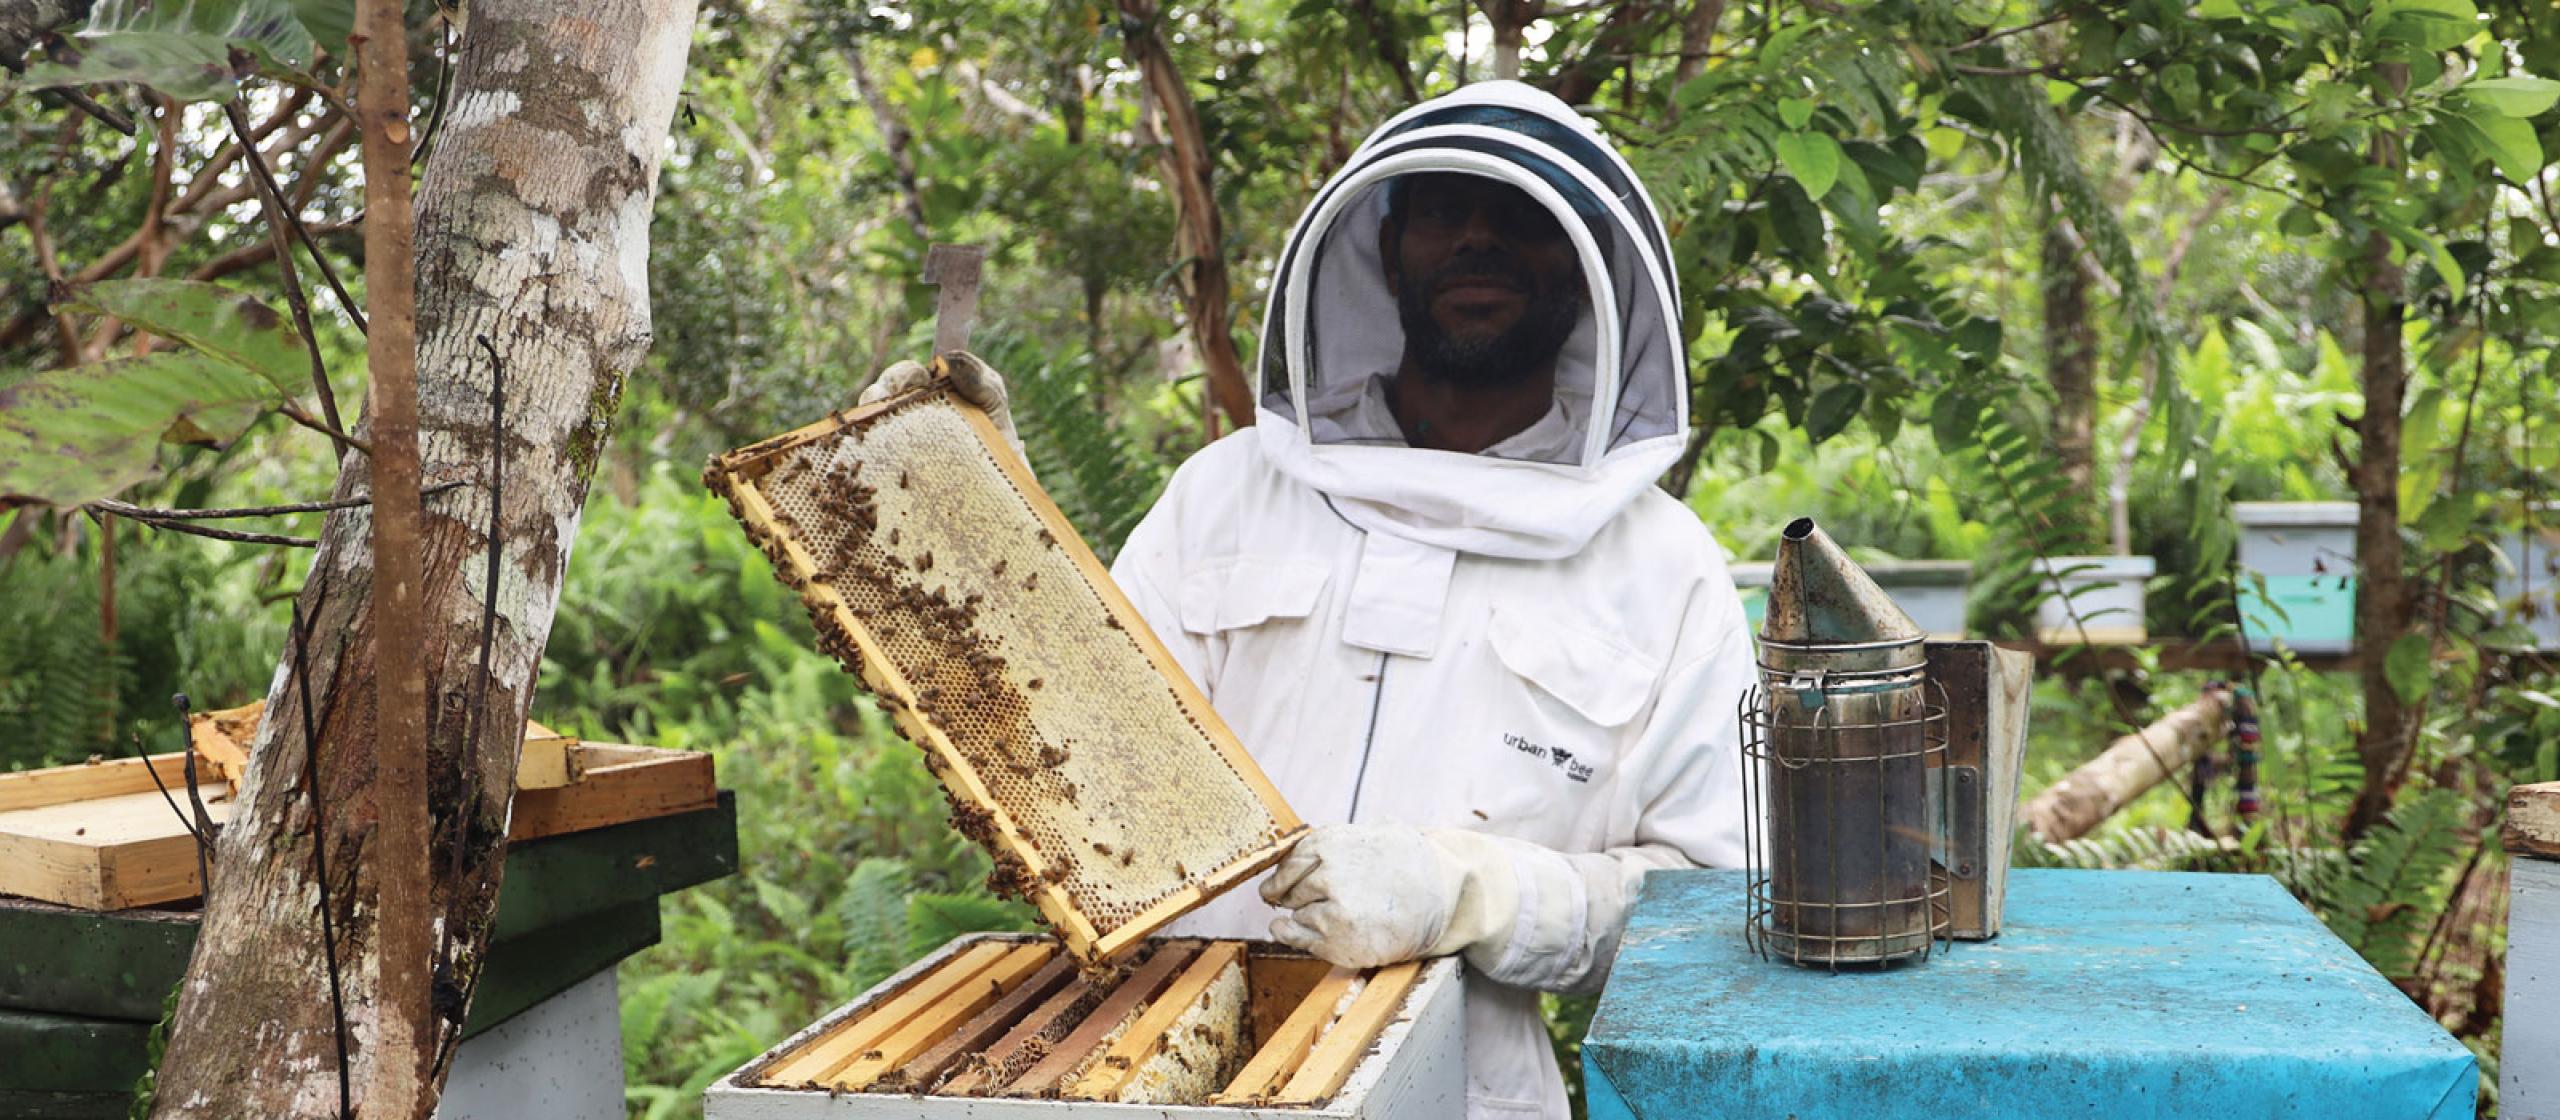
(998, 1025)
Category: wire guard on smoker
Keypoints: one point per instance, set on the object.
(1845, 826)
(1846, 784)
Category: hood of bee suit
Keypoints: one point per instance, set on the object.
(1331, 334)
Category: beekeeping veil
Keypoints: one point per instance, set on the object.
(1331, 329)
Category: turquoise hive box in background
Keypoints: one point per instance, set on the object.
(2305, 553)
(2110, 994)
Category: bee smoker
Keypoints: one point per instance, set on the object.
(1864, 830)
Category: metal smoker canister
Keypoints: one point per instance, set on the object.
(1842, 750)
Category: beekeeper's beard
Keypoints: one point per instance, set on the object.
(1486, 358)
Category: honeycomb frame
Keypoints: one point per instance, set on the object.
(1032, 856)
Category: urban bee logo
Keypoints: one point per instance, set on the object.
(1562, 758)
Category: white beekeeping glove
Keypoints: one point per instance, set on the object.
(1363, 895)
(971, 377)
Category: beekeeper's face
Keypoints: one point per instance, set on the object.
(1487, 283)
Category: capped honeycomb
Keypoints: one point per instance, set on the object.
(1070, 744)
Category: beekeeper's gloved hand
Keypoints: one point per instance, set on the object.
(977, 383)
(1363, 895)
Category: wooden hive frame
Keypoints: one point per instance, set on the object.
(996, 1017)
(740, 477)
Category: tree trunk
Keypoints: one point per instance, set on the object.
(2382, 589)
(1200, 233)
(1697, 39)
(2071, 367)
(2130, 766)
(532, 234)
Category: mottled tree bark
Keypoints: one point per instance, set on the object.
(2383, 611)
(1200, 234)
(532, 232)
(2071, 368)
(2382, 588)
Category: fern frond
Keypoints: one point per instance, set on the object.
(2395, 882)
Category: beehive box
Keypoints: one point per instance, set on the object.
(2529, 1068)
(102, 835)
(999, 1026)
(1069, 742)
(2304, 555)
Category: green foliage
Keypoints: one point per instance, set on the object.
(195, 51)
(1100, 479)
(60, 698)
(77, 433)
(2399, 881)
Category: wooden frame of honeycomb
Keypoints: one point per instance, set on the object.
(1069, 742)
(1222, 1024)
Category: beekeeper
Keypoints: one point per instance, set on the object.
(1435, 592)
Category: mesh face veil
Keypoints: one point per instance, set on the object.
(1332, 335)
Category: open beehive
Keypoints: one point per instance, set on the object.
(1005, 1025)
(1069, 742)
(103, 835)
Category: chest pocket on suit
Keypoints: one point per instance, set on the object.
(1583, 690)
(1249, 600)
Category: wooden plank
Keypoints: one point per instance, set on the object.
(823, 1056)
(1148, 1034)
(104, 853)
(604, 883)
(927, 1069)
(1280, 983)
(946, 1015)
(548, 762)
(2533, 820)
(1104, 1026)
(1286, 1048)
(1038, 1034)
(224, 738)
(618, 784)
(98, 777)
(1342, 1047)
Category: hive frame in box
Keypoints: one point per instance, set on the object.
(1416, 1070)
(740, 477)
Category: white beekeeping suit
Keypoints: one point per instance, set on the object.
(1525, 662)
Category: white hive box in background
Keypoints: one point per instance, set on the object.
(1279, 1034)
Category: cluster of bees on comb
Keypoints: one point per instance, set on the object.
(959, 684)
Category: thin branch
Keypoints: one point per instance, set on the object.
(294, 412)
(1996, 36)
(167, 797)
(195, 797)
(279, 223)
(320, 838)
(227, 534)
(444, 89)
(146, 513)
(257, 253)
